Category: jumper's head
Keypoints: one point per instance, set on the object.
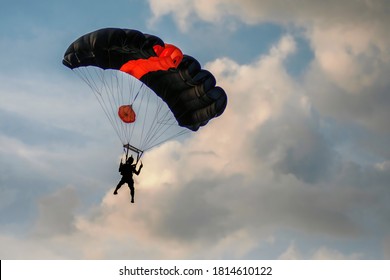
(130, 160)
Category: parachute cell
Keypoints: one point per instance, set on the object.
(168, 57)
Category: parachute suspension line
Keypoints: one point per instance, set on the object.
(112, 90)
(129, 86)
(132, 101)
(108, 100)
(118, 99)
(138, 92)
(153, 130)
(106, 90)
(146, 111)
(126, 86)
(151, 122)
(155, 122)
(87, 76)
(129, 91)
(121, 100)
(167, 139)
(159, 133)
(162, 122)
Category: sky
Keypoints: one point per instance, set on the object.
(297, 167)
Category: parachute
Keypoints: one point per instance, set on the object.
(149, 90)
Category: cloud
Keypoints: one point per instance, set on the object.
(251, 171)
(322, 253)
(56, 213)
(348, 77)
(291, 253)
(265, 165)
(255, 12)
(301, 148)
(305, 155)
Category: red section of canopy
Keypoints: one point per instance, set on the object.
(167, 57)
(126, 113)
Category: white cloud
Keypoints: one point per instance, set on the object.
(254, 12)
(186, 193)
(223, 188)
(187, 12)
(291, 253)
(322, 253)
(271, 162)
(348, 78)
(56, 213)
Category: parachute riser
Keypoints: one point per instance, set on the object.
(128, 147)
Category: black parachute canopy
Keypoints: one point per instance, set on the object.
(189, 91)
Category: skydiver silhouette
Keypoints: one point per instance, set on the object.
(127, 169)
